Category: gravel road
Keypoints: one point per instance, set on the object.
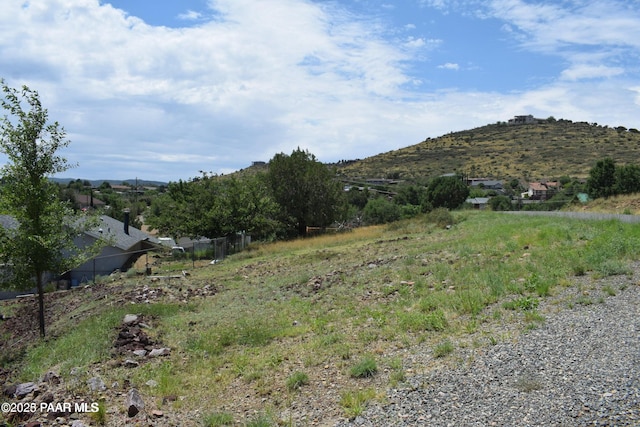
(580, 367)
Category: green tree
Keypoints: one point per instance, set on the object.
(380, 210)
(627, 179)
(500, 203)
(447, 192)
(602, 179)
(212, 206)
(410, 195)
(43, 240)
(306, 190)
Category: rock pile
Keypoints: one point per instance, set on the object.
(133, 340)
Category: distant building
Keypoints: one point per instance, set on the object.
(542, 190)
(525, 120)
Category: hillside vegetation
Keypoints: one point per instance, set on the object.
(306, 332)
(532, 152)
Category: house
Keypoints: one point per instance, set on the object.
(479, 203)
(485, 183)
(87, 201)
(542, 190)
(126, 245)
(524, 120)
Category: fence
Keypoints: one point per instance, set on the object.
(217, 249)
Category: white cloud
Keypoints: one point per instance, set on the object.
(449, 66)
(164, 103)
(584, 71)
(190, 15)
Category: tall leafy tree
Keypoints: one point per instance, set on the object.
(306, 190)
(447, 192)
(627, 179)
(212, 206)
(42, 240)
(602, 179)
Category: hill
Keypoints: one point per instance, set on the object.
(547, 150)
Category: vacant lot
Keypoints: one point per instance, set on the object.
(307, 332)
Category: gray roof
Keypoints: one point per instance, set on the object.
(478, 200)
(109, 228)
(114, 229)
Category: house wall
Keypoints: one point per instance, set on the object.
(110, 259)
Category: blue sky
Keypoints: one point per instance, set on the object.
(165, 89)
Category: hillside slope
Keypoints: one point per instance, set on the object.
(536, 151)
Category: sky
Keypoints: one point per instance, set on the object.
(165, 90)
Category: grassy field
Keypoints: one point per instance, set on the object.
(323, 325)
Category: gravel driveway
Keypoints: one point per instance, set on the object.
(580, 367)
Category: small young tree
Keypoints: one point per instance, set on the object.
(43, 240)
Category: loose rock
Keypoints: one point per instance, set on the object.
(135, 404)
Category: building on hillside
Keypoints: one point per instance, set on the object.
(485, 183)
(525, 120)
(542, 190)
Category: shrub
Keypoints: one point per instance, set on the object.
(367, 367)
(443, 349)
(297, 380)
(441, 217)
(218, 419)
(381, 211)
(354, 402)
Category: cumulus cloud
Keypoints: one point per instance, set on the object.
(584, 71)
(449, 66)
(152, 101)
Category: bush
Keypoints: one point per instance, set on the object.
(441, 217)
(381, 211)
(297, 380)
(367, 367)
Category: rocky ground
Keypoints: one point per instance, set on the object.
(578, 366)
(581, 367)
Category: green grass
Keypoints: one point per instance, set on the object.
(443, 349)
(297, 380)
(217, 419)
(367, 367)
(333, 308)
(354, 401)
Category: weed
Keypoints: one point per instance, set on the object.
(260, 421)
(367, 367)
(100, 416)
(297, 380)
(533, 316)
(584, 300)
(609, 290)
(522, 303)
(418, 321)
(443, 349)
(217, 419)
(528, 383)
(354, 402)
